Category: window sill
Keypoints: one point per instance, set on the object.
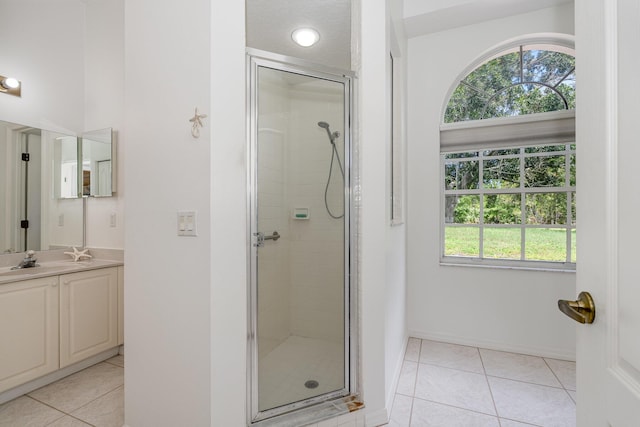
(556, 267)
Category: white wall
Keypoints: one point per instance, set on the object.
(104, 107)
(49, 61)
(228, 256)
(382, 281)
(396, 293)
(168, 278)
(501, 309)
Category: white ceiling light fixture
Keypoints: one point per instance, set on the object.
(10, 86)
(305, 37)
(10, 83)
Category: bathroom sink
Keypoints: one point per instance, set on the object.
(8, 275)
(48, 269)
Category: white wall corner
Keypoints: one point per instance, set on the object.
(228, 262)
(391, 392)
(372, 121)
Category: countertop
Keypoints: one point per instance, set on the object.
(54, 263)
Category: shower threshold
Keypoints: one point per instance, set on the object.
(314, 414)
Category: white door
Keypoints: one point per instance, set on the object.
(608, 351)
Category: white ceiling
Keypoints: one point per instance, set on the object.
(271, 22)
(430, 16)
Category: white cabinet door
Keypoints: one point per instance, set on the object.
(88, 314)
(28, 330)
(608, 351)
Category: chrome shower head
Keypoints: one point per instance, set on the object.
(325, 126)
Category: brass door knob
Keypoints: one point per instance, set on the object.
(583, 310)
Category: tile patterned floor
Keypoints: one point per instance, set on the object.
(91, 397)
(447, 385)
(440, 385)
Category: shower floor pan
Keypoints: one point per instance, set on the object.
(292, 369)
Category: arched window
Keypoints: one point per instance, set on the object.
(527, 81)
(508, 161)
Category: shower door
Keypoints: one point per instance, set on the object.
(300, 337)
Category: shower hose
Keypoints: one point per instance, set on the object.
(334, 155)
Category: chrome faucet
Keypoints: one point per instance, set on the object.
(28, 262)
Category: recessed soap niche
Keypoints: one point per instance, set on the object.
(300, 213)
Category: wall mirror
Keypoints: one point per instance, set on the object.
(39, 186)
(98, 163)
(65, 167)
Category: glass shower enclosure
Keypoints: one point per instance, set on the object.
(300, 337)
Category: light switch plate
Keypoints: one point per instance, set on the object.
(187, 223)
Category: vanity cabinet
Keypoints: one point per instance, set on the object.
(28, 330)
(121, 305)
(88, 314)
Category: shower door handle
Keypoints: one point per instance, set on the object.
(275, 236)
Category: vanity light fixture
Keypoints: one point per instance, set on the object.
(10, 86)
(305, 37)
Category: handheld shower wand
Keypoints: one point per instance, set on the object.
(332, 136)
(334, 154)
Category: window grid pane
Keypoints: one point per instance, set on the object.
(462, 241)
(546, 244)
(524, 209)
(501, 173)
(462, 209)
(502, 243)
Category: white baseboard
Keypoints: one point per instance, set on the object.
(396, 376)
(552, 353)
(377, 418)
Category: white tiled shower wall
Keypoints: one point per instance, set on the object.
(301, 275)
(317, 248)
(274, 300)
